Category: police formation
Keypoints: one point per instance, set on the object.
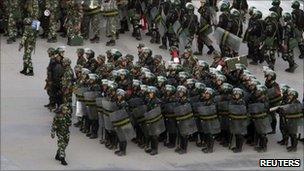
(119, 100)
(170, 23)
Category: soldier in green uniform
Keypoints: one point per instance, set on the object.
(276, 8)
(49, 80)
(283, 128)
(274, 95)
(270, 39)
(14, 18)
(189, 60)
(52, 6)
(28, 41)
(67, 81)
(81, 60)
(289, 42)
(205, 28)
(92, 16)
(294, 115)
(60, 127)
(298, 17)
(91, 63)
(110, 12)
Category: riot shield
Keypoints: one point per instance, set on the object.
(185, 121)
(122, 125)
(139, 112)
(260, 117)
(153, 12)
(224, 37)
(90, 103)
(134, 102)
(256, 108)
(238, 119)
(176, 27)
(155, 122)
(108, 105)
(209, 120)
(161, 26)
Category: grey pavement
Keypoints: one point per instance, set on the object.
(25, 123)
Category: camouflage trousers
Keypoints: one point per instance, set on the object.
(94, 21)
(62, 143)
(27, 59)
(12, 26)
(288, 56)
(111, 26)
(52, 32)
(269, 56)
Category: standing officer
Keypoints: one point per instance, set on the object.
(52, 6)
(28, 41)
(298, 18)
(60, 126)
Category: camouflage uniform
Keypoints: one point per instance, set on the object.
(92, 16)
(60, 126)
(111, 14)
(67, 81)
(298, 17)
(32, 9)
(73, 20)
(52, 6)
(4, 11)
(14, 18)
(28, 41)
(81, 60)
(287, 39)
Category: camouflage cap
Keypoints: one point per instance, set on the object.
(80, 51)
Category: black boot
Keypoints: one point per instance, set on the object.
(122, 148)
(23, 71)
(95, 39)
(111, 43)
(63, 162)
(301, 48)
(292, 68)
(210, 144)
(263, 144)
(57, 156)
(239, 144)
(284, 140)
(294, 143)
(11, 40)
(52, 40)
(164, 43)
(95, 127)
(154, 146)
(30, 72)
(183, 145)
(172, 140)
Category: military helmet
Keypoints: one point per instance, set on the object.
(147, 50)
(287, 16)
(262, 89)
(158, 57)
(80, 51)
(112, 85)
(85, 71)
(78, 68)
(225, 5)
(27, 21)
(292, 92)
(151, 89)
(114, 74)
(284, 88)
(136, 83)
(182, 89)
(221, 78)
(93, 77)
(246, 72)
(129, 57)
(251, 10)
(189, 6)
(116, 54)
(161, 79)
(254, 82)
(270, 73)
(170, 88)
(238, 91)
(276, 2)
(235, 13)
(104, 82)
(143, 87)
(226, 87)
(210, 91)
(66, 61)
(175, 2)
(51, 50)
(190, 81)
(121, 92)
(199, 87)
(89, 52)
(295, 4)
(257, 14)
(183, 75)
(144, 69)
(60, 49)
(240, 66)
(121, 72)
(203, 64)
(140, 45)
